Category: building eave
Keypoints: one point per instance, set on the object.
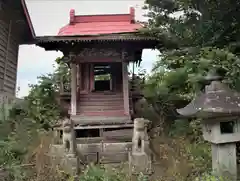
(28, 19)
(51, 42)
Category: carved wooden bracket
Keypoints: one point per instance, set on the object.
(92, 53)
(72, 57)
(127, 55)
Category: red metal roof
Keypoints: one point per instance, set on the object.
(100, 24)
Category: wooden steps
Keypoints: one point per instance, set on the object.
(101, 104)
(95, 108)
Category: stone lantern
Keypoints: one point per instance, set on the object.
(219, 108)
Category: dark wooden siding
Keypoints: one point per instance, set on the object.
(8, 56)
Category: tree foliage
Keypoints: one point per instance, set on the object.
(23, 129)
(196, 36)
(41, 104)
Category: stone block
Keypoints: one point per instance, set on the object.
(212, 131)
(71, 165)
(224, 161)
(56, 150)
(140, 163)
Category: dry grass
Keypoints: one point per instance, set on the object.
(176, 159)
(43, 167)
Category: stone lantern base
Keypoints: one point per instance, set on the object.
(224, 161)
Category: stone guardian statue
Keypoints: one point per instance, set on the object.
(140, 159)
(69, 138)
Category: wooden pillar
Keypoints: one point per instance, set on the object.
(79, 82)
(91, 81)
(111, 82)
(125, 87)
(73, 88)
(78, 77)
(86, 73)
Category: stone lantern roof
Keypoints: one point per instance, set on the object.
(217, 100)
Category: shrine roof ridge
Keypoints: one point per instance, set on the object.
(100, 24)
(73, 18)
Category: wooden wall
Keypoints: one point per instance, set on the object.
(8, 54)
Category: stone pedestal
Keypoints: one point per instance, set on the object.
(71, 165)
(224, 161)
(140, 163)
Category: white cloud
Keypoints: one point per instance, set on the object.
(33, 62)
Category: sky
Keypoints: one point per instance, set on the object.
(48, 16)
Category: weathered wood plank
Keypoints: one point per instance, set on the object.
(105, 126)
(8, 89)
(12, 65)
(90, 157)
(99, 108)
(89, 148)
(3, 41)
(100, 103)
(116, 147)
(2, 53)
(10, 73)
(9, 84)
(13, 51)
(4, 26)
(89, 140)
(93, 120)
(123, 134)
(1, 75)
(106, 158)
(101, 126)
(102, 99)
(10, 80)
(1, 68)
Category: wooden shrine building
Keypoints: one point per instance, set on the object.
(98, 49)
(15, 29)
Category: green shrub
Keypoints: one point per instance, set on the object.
(94, 173)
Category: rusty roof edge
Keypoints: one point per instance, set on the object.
(126, 35)
(24, 5)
